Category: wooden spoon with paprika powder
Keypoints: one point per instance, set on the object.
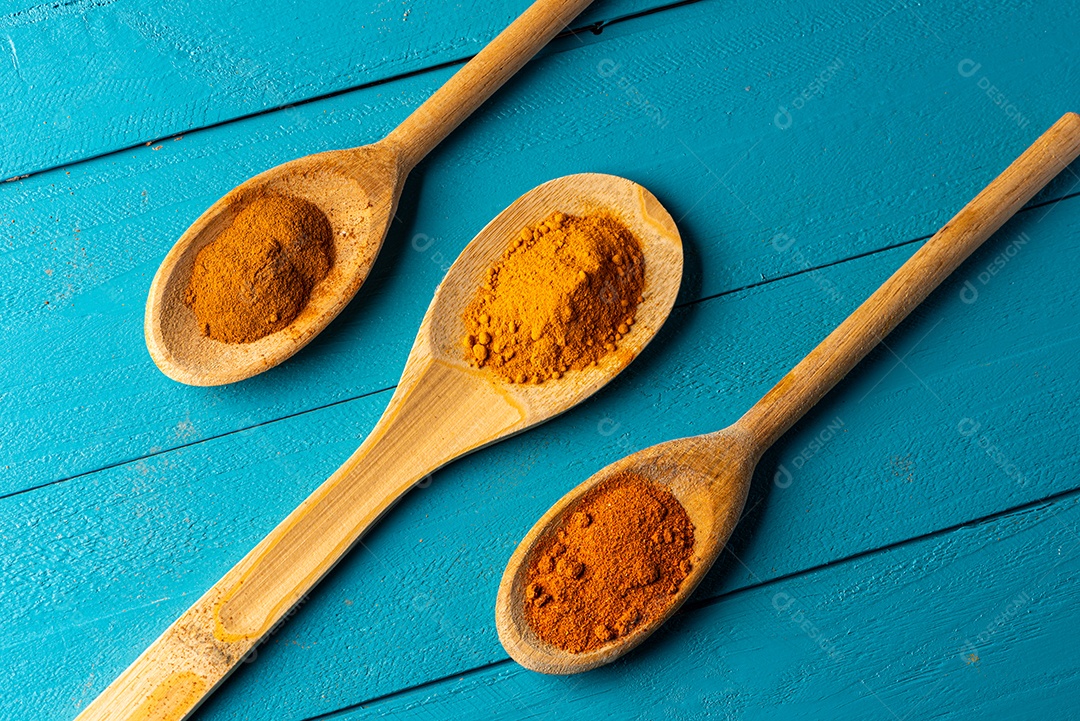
(443, 407)
(357, 190)
(710, 475)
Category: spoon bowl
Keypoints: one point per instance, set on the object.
(709, 475)
(358, 192)
(581, 194)
(456, 407)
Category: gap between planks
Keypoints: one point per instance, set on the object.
(857, 256)
(596, 28)
(170, 449)
(698, 605)
(684, 304)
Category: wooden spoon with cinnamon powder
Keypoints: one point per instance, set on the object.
(357, 191)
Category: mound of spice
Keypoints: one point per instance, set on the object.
(256, 276)
(562, 296)
(613, 566)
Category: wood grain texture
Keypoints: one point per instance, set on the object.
(80, 249)
(83, 78)
(870, 323)
(937, 628)
(889, 143)
(139, 542)
(496, 63)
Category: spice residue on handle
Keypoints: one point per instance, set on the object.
(256, 276)
(614, 564)
(563, 294)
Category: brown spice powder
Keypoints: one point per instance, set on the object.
(615, 563)
(561, 297)
(256, 276)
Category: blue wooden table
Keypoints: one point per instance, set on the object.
(910, 549)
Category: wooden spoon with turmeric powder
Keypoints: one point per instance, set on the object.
(269, 265)
(451, 400)
(612, 560)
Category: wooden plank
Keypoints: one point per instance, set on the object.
(233, 499)
(938, 628)
(79, 249)
(95, 568)
(88, 77)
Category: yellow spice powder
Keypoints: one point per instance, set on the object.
(563, 294)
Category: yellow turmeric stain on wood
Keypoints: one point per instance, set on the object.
(172, 699)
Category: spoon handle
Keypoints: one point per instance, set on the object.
(483, 75)
(436, 414)
(831, 360)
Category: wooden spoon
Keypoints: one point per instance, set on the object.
(710, 474)
(442, 409)
(357, 189)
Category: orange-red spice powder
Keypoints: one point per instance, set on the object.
(614, 564)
